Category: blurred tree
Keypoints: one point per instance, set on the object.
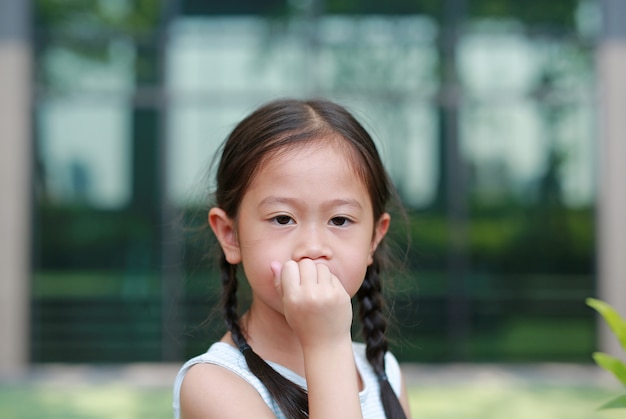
(89, 29)
(559, 16)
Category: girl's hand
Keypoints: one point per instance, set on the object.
(319, 311)
(316, 306)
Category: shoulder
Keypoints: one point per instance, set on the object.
(392, 367)
(211, 391)
(214, 385)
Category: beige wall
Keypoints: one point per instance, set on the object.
(15, 190)
(612, 182)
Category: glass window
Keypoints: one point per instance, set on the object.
(85, 152)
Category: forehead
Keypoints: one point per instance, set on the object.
(318, 152)
(307, 165)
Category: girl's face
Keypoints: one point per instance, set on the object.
(305, 203)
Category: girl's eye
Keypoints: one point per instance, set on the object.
(339, 221)
(282, 219)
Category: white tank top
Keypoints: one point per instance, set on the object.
(226, 356)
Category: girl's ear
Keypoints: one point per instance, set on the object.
(224, 228)
(382, 226)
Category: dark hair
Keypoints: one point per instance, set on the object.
(273, 128)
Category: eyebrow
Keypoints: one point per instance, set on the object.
(339, 202)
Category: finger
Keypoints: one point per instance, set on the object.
(323, 274)
(308, 272)
(289, 276)
(277, 268)
(326, 276)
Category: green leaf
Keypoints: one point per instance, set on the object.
(611, 364)
(618, 403)
(612, 317)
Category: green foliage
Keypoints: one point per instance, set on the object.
(612, 317)
(534, 13)
(90, 32)
(556, 14)
(136, 18)
(620, 402)
(609, 363)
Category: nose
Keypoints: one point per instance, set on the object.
(312, 243)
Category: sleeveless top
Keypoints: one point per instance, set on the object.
(225, 355)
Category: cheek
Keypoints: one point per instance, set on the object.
(353, 279)
(256, 259)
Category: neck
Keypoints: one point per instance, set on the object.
(271, 338)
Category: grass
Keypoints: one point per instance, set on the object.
(511, 402)
(84, 402)
(490, 401)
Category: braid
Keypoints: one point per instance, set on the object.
(291, 398)
(229, 300)
(374, 326)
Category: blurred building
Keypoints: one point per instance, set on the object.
(501, 126)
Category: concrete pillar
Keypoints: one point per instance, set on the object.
(611, 221)
(15, 185)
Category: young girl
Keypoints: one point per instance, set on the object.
(301, 208)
